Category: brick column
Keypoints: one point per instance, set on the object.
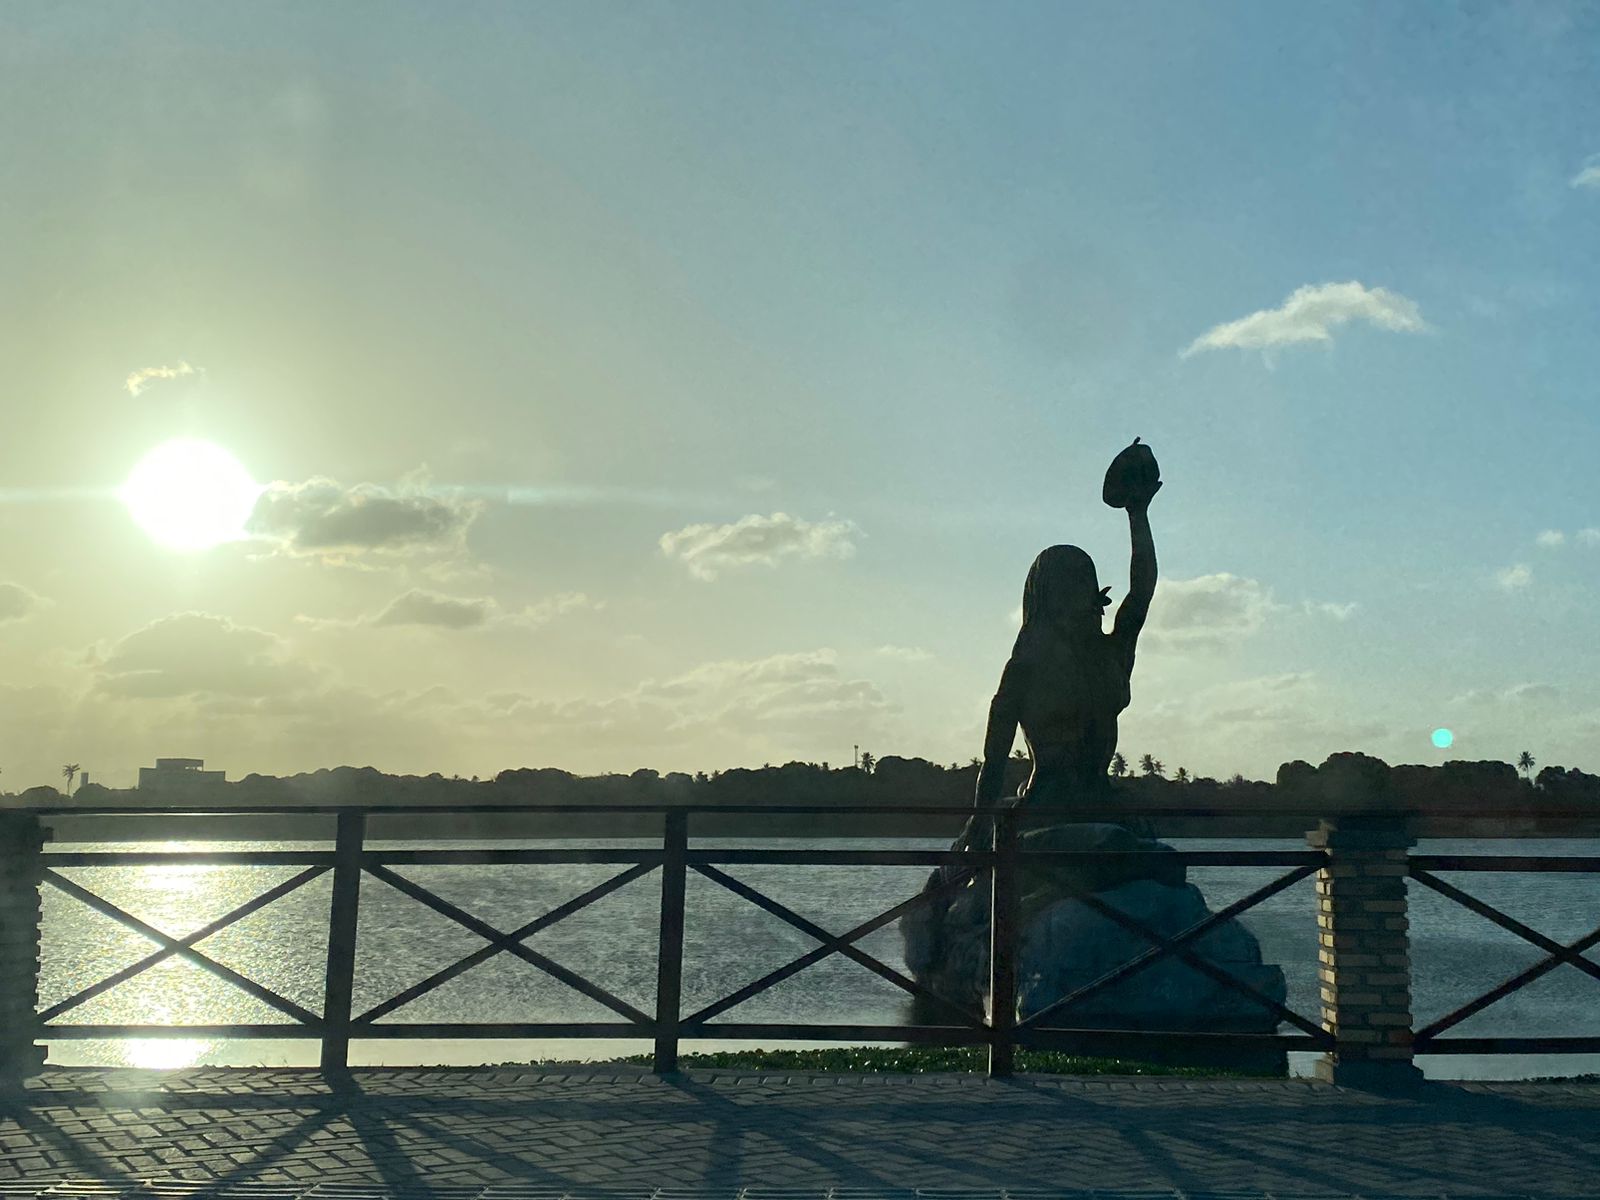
(1364, 951)
(21, 871)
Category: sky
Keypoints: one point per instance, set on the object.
(690, 385)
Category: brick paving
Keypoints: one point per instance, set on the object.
(529, 1132)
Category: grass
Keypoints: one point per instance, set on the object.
(917, 1060)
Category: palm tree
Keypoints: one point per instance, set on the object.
(1147, 764)
(1182, 776)
(1158, 768)
(867, 762)
(70, 771)
(1525, 764)
(1119, 765)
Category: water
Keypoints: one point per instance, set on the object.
(727, 942)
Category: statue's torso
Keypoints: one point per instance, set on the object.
(1068, 712)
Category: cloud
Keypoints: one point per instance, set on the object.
(1262, 700)
(910, 653)
(708, 550)
(553, 607)
(198, 655)
(1523, 694)
(1254, 724)
(1208, 612)
(323, 517)
(775, 707)
(1311, 314)
(1328, 608)
(1589, 536)
(17, 602)
(419, 607)
(145, 376)
(1514, 577)
(1588, 176)
(1533, 693)
(1551, 538)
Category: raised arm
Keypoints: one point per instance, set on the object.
(1141, 578)
(1004, 712)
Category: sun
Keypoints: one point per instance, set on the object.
(189, 494)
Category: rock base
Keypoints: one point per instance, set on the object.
(1066, 944)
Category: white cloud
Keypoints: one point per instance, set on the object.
(1211, 612)
(17, 602)
(1311, 314)
(1533, 693)
(1590, 536)
(1328, 608)
(785, 703)
(145, 376)
(1514, 577)
(325, 518)
(421, 607)
(707, 550)
(198, 655)
(1523, 694)
(1252, 725)
(1263, 700)
(1551, 538)
(1588, 177)
(1208, 612)
(910, 653)
(552, 607)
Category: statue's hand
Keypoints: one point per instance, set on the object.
(1140, 503)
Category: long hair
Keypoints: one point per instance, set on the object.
(1059, 577)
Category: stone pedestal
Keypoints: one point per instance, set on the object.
(21, 871)
(1364, 952)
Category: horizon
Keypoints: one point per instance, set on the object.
(1131, 768)
(691, 387)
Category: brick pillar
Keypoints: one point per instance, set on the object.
(21, 871)
(1364, 951)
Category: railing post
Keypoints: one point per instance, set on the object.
(342, 919)
(669, 957)
(1003, 947)
(1364, 951)
(21, 871)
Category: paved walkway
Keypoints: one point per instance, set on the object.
(403, 1131)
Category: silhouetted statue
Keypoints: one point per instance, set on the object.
(1065, 685)
(1067, 680)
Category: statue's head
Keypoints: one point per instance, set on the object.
(1063, 588)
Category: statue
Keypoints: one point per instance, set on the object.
(1067, 680)
(1065, 684)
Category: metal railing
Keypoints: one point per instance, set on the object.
(351, 859)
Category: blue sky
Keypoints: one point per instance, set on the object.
(906, 275)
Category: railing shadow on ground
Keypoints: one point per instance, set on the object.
(1360, 861)
(1247, 1132)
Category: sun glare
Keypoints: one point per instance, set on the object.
(189, 494)
(164, 1054)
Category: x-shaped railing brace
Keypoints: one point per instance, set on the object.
(183, 947)
(829, 945)
(1555, 952)
(1164, 947)
(508, 943)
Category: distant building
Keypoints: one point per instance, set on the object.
(178, 775)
